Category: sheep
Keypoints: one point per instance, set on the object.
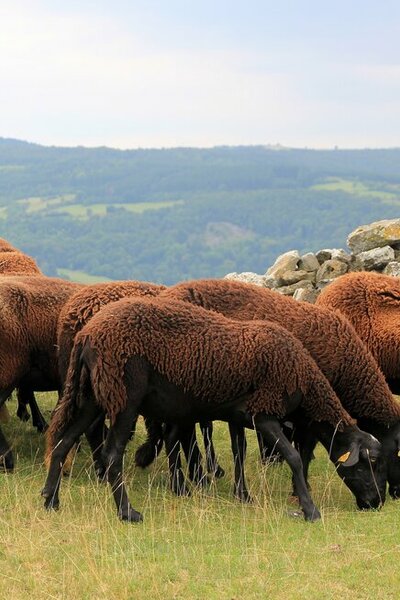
(371, 302)
(15, 262)
(331, 341)
(29, 308)
(181, 363)
(76, 312)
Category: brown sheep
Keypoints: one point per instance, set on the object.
(182, 363)
(331, 341)
(29, 308)
(78, 310)
(371, 302)
(14, 262)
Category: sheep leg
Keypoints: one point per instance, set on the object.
(305, 443)
(63, 442)
(172, 447)
(95, 435)
(239, 447)
(26, 396)
(212, 464)
(113, 452)
(6, 456)
(271, 430)
(148, 451)
(194, 459)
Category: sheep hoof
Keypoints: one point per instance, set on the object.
(243, 496)
(315, 515)
(130, 516)
(23, 414)
(217, 472)
(50, 503)
(41, 426)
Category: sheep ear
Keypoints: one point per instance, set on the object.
(351, 457)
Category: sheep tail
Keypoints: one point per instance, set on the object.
(149, 450)
(68, 403)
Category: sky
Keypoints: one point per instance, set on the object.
(153, 73)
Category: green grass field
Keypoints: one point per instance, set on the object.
(81, 276)
(79, 211)
(389, 195)
(206, 546)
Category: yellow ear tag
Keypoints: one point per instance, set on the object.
(344, 457)
(398, 454)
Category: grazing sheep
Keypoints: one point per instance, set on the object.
(331, 341)
(371, 302)
(181, 363)
(78, 310)
(29, 308)
(14, 262)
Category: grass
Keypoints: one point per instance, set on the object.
(206, 546)
(358, 188)
(79, 211)
(81, 276)
(36, 204)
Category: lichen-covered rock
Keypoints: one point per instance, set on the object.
(377, 258)
(331, 269)
(340, 254)
(288, 290)
(393, 269)
(247, 277)
(284, 262)
(306, 295)
(309, 262)
(374, 235)
(323, 255)
(289, 277)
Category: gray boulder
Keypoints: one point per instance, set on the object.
(374, 235)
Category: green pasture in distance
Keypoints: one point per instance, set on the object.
(359, 188)
(204, 546)
(80, 211)
(36, 204)
(81, 276)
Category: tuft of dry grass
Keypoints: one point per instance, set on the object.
(206, 546)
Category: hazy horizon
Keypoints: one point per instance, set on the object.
(150, 74)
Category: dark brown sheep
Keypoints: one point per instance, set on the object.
(29, 308)
(13, 262)
(79, 309)
(371, 302)
(182, 363)
(331, 341)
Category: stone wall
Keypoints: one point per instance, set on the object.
(374, 247)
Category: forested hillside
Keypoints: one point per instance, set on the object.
(167, 215)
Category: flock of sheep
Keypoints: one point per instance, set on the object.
(201, 351)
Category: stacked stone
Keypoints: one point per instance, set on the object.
(374, 247)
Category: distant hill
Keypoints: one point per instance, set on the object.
(167, 215)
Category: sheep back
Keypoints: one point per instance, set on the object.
(329, 337)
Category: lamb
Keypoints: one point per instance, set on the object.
(181, 363)
(331, 341)
(371, 302)
(77, 311)
(29, 308)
